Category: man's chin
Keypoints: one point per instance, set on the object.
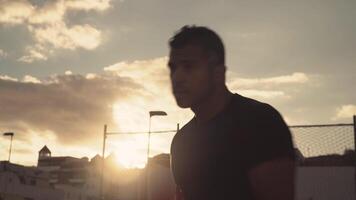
(183, 104)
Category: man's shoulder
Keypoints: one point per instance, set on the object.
(188, 127)
(266, 136)
(182, 132)
(251, 109)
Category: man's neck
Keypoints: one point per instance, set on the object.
(212, 105)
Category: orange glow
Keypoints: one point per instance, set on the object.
(130, 159)
(131, 116)
(130, 150)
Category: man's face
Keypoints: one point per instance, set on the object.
(191, 75)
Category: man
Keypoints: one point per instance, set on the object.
(234, 147)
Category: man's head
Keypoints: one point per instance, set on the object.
(197, 65)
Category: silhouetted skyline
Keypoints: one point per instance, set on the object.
(66, 68)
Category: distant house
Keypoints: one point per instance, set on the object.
(80, 178)
(21, 182)
(70, 178)
(75, 176)
(161, 185)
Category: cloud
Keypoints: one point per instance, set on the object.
(263, 94)
(55, 11)
(30, 79)
(71, 106)
(7, 78)
(71, 109)
(345, 111)
(295, 78)
(87, 5)
(26, 79)
(15, 11)
(23, 11)
(153, 74)
(266, 88)
(91, 76)
(33, 54)
(60, 36)
(48, 25)
(151, 69)
(51, 12)
(74, 108)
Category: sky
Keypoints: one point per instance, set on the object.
(67, 67)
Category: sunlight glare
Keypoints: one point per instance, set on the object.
(130, 116)
(128, 153)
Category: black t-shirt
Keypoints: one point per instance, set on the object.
(211, 160)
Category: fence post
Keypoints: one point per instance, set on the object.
(355, 132)
(355, 152)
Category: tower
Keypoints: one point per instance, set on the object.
(44, 153)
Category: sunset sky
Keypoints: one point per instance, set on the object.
(67, 67)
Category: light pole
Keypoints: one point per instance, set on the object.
(108, 133)
(11, 136)
(151, 113)
(102, 165)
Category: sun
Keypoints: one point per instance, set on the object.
(130, 158)
(130, 152)
(130, 116)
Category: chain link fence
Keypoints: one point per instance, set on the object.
(311, 141)
(325, 145)
(321, 140)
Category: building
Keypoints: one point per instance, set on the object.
(64, 169)
(19, 182)
(70, 178)
(76, 177)
(80, 178)
(327, 177)
(156, 180)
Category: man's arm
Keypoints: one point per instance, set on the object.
(273, 179)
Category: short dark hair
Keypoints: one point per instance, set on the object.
(201, 36)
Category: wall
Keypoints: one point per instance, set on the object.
(325, 183)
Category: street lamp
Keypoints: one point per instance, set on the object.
(152, 113)
(11, 136)
(106, 133)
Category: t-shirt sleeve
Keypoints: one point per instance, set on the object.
(269, 137)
